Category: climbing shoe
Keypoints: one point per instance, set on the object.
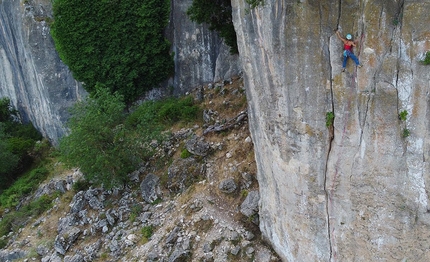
(360, 66)
(343, 69)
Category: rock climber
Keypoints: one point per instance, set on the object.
(348, 44)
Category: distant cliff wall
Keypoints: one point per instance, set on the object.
(200, 54)
(357, 191)
(42, 87)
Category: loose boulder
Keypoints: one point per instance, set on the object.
(249, 207)
(150, 188)
(64, 241)
(228, 185)
(197, 146)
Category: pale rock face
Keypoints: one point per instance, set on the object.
(357, 191)
(200, 54)
(32, 75)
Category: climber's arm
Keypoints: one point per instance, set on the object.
(338, 35)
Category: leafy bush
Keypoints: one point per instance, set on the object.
(329, 119)
(173, 110)
(405, 133)
(7, 112)
(160, 114)
(98, 144)
(119, 44)
(3, 243)
(403, 115)
(81, 185)
(218, 15)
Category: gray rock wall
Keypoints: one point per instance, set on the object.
(357, 191)
(32, 75)
(200, 54)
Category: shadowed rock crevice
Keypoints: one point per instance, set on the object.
(330, 141)
(339, 13)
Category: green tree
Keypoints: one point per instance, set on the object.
(98, 143)
(119, 44)
(218, 15)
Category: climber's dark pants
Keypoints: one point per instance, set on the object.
(347, 54)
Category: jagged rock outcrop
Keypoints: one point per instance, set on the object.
(42, 87)
(356, 190)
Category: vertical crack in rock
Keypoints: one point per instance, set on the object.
(398, 18)
(362, 125)
(330, 141)
(399, 15)
(339, 13)
(364, 120)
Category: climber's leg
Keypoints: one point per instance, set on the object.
(354, 58)
(345, 58)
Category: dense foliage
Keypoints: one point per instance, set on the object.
(16, 143)
(107, 144)
(97, 143)
(119, 44)
(218, 15)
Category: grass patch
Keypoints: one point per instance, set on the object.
(161, 114)
(135, 212)
(185, 153)
(16, 219)
(157, 201)
(164, 178)
(147, 232)
(244, 193)
(23, 186)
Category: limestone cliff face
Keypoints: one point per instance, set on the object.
(42, 87)
(200, 54)
(357, 191)
(32, 75)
